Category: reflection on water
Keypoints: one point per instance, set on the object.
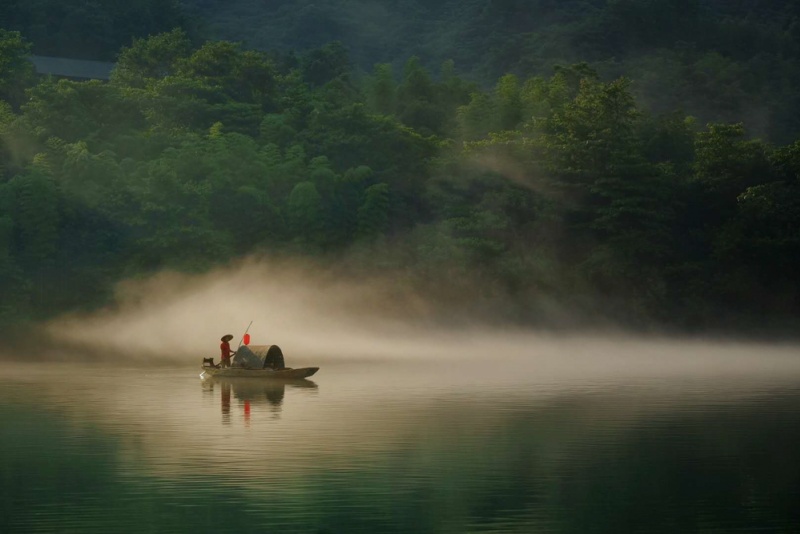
(252, 392)
(399, 448)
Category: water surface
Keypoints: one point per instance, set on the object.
(446, 447)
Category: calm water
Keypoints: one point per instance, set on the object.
(446, 448)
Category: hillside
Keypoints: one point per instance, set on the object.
(542, 194)
(716, 60)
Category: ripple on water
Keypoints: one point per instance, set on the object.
(99, 449)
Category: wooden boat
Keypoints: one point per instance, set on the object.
(264, 374)
(256, 361)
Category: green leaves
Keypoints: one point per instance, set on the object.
(304, 212)
(726, 162)
(36, 217)
(535, 191)
(149, 59)
(382, 90)
(89, 29)
(16, 70)
(324, 64)
(373, 214)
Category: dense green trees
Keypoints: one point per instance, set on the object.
(541, 198)
(89, 30)
(16, 72)
(721, 61)
(716, 60)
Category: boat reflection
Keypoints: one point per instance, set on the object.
(250, 392)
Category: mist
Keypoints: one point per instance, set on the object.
(290, 303)
(321, 318)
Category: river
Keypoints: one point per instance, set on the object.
(483, 446)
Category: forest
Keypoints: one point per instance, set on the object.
(538, 187)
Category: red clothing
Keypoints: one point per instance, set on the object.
(225, 349)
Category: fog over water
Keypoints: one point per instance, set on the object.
(411, 424)
(320, 318)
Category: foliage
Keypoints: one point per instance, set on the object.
(16, 72)
(719, 61)
(541, 193)
(89, 30)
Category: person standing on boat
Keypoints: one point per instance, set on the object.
(225, 350)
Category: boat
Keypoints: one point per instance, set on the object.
(256, 361)
(286, 373)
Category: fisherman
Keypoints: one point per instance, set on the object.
(225, 349)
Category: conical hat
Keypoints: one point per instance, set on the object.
(227, 337)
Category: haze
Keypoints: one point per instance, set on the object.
(318, 318)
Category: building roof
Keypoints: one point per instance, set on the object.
(72, 68)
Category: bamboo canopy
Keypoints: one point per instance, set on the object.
(259, 357)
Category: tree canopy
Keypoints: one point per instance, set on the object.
(560, 195)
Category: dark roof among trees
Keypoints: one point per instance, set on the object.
(72, 68)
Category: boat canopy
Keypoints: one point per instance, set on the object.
(259, 357)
